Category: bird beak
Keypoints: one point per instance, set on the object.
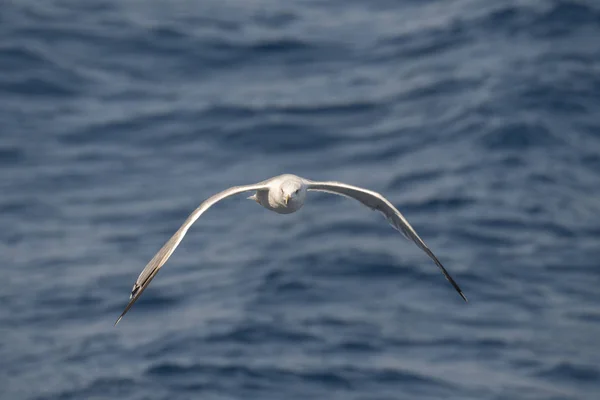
(286, 199)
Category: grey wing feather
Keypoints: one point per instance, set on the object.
(377, 202)
(169, 247)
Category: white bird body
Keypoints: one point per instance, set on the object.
(284, 194)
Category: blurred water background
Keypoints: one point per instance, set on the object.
(480, 120)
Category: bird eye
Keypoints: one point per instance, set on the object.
(297, 190)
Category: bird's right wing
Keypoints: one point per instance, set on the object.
(165, 252)
(377, 202)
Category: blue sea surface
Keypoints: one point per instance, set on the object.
(478, 119)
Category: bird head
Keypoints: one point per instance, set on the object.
(293, 191)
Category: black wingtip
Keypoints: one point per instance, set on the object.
(136, 292)
(446, 274)
(454, 284)
(457, 288)
(129, 305)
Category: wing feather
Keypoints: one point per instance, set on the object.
(377, 202)
(160, 258)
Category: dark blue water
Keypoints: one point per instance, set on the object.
(480, 120)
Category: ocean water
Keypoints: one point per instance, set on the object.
(479, 120)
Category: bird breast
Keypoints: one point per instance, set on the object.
(274, 202)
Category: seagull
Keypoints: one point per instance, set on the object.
(284, 194)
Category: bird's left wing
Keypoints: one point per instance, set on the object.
(169, 247)
(377, 202)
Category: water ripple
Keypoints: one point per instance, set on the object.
(478, 120)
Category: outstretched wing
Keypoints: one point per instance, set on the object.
(377, 202)
(165, 252)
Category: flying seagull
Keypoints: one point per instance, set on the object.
(284, 194)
